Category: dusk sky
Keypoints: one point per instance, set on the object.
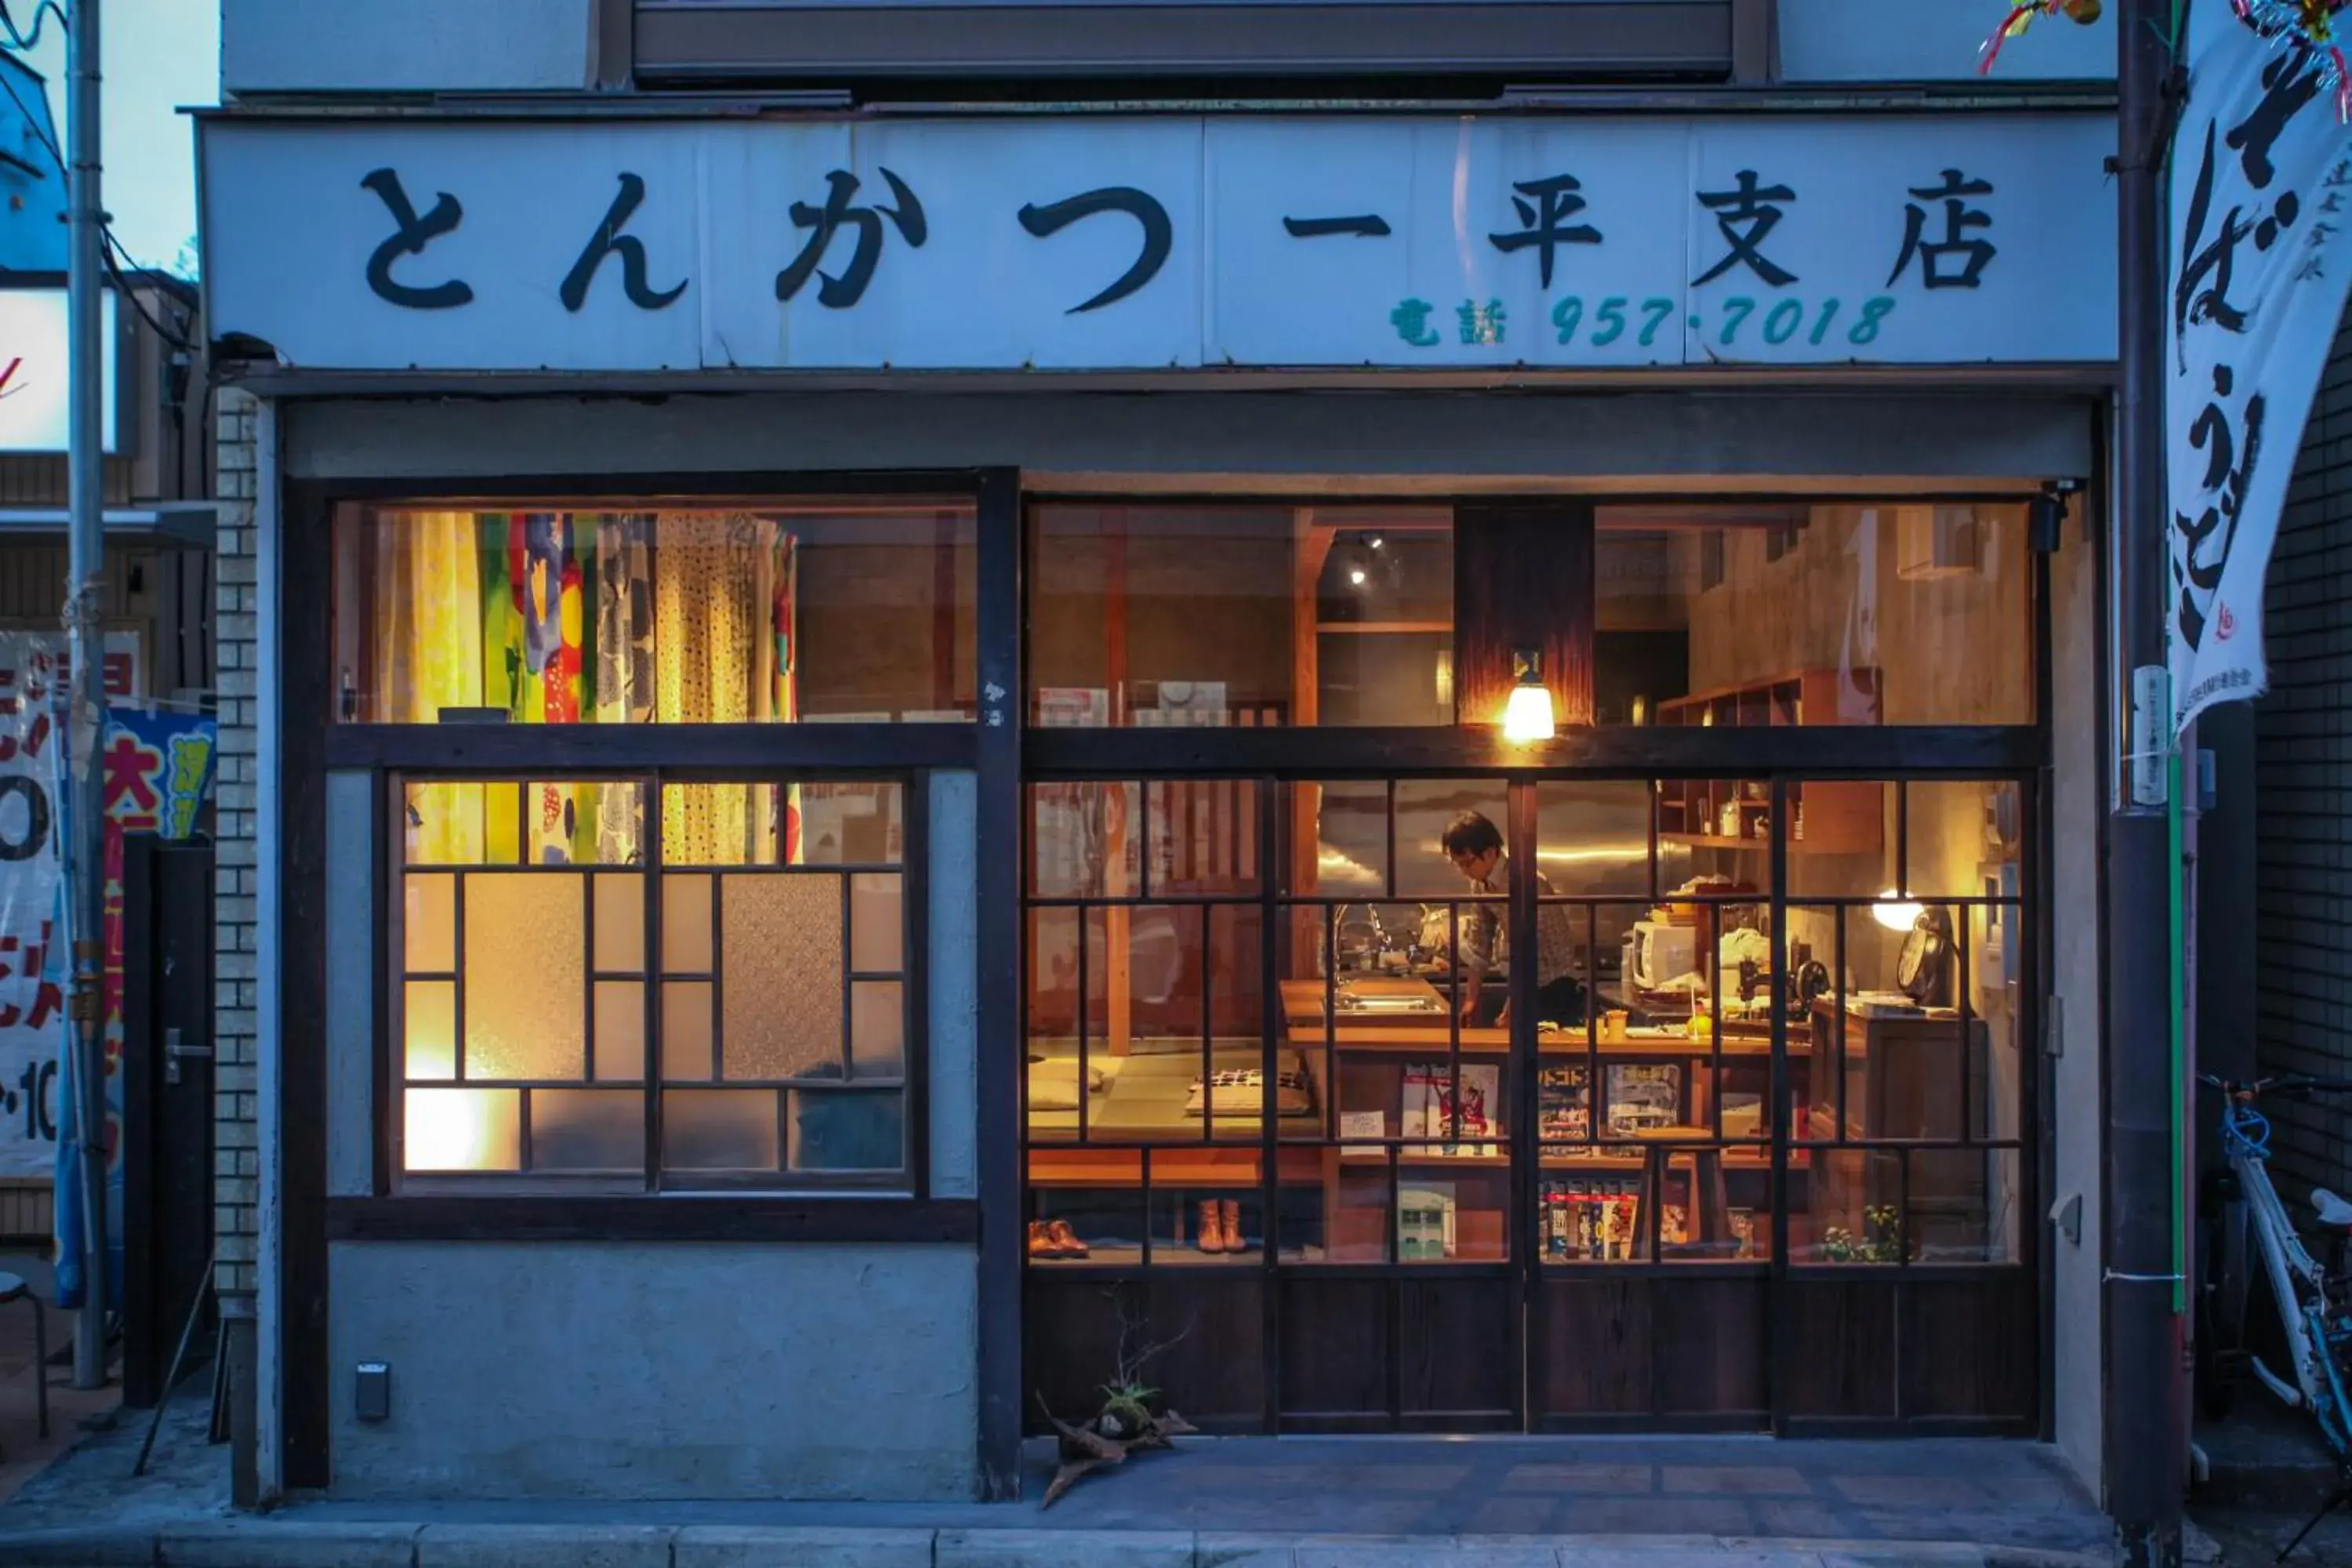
(158, 57)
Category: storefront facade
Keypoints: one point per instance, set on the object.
(886, 780)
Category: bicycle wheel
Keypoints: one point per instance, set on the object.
(2220, 1330)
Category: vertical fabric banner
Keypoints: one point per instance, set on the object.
(2262, 249)
(156, 776)
(32, 1006)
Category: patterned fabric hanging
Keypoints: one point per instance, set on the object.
(784, 638)
(548, 580)
(502, 673)
(428, 658)
(624, 663)
(708, 619)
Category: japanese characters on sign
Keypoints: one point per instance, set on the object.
(34, 673)
(2262, 182)
(1165, 243)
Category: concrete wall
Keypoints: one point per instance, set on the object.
(2077, 1098)
(668, 1371)
(444, 46)
(1934, 40)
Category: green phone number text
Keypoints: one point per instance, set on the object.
(1779, 324)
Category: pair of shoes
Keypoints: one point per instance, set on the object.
(1220, 1226)
(1055, 1238)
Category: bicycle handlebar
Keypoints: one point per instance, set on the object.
(2288, 1083)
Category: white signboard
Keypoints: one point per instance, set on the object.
(1076, 243)
(34, 672)
(2261, 250)
(34, 409)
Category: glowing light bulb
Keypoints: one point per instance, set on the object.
(1893, 911)
(1527, 715)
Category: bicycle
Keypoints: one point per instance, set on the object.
(2313, 1301)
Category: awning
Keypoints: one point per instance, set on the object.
(189, 524)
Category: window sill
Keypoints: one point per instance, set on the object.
(493, 1216)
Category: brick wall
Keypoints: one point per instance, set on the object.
(236, 1134)
(2303, 746)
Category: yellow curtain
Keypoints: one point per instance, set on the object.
(429, 656)
(707, 618)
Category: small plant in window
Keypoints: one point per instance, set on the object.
(1881, 1241)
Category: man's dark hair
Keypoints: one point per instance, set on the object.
(1469, 833)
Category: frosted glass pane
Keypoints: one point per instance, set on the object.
(431, 1018)
(587, 1129)
(430, 925)
(621, 925)
(877, 1028)
(718, 1130)
(782, 935)
(685, 925)
(462, 1130)
(620, 1031)
(834, 1131)
(526, 977)
(686, 1030)
(877, 940)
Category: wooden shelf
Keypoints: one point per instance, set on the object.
(1384, 628)
(1719, 841)
(1433, 1043)
(1741, 1159)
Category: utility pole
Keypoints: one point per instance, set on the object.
(2146, 1437)
(84, 861)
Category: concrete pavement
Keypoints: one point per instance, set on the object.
(1560, 1502)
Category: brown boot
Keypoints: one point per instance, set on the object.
(1213, 1230)
(1234, 1242)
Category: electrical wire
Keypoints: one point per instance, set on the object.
(41, 13)
(110, 247)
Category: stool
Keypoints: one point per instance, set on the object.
(12, 1288)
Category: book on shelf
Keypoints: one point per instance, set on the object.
(1563, 1108)
(1437, 1104)
(1643, 1095)
(1596, 1220)
(1425, 1222)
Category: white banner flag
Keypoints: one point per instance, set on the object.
(2261, 252)
(33, 671)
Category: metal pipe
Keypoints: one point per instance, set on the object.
(84, 866)
(2146, 1404)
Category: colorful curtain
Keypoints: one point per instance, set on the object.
(624, 662)
(428, 641)
(620, 618)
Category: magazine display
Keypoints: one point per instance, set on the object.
(1642, 1096)
(1430, 1110)
(1425, 1215)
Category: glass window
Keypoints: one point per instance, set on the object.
(758, 976)
(703, 615)
(1902, 613)
(1243, 616)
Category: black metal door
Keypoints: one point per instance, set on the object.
(167, 1016)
